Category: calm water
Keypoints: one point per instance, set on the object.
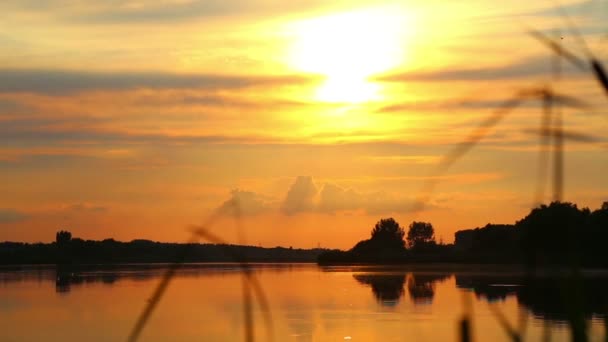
(307, 303)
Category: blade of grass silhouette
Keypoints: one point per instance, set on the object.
(546, 331)
(198, 233)
(606, 325)
(600, 74)
(162, 287)
(465, 331)
(573, 30)
(461, 149)
(481, 131)
(558, 49)
(573, 295)
(247, 305)
(596, 66)
(558, 158)
(593, 64)
(203, 233)
(522, 323)
(247, 310)
(576, 319)
(504, 323)
(543, 158)
(547, 117)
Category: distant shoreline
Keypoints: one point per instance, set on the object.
(467, 268)
(107, 252)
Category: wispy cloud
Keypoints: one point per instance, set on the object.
(465, 103)
(521, 69)
(411, 159)
(8, 215)
(86, 208)
(62, 82)
(40, 134)
(156, 11)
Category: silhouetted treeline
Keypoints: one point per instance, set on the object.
(67, 250)
(556, 234)
(431, 253)
(387, 245)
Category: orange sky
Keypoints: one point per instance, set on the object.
(137, 119)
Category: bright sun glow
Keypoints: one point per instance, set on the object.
(348, 48)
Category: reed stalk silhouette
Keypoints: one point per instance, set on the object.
(465, 326)
(251, 288)
(546, 94)
(591, 63)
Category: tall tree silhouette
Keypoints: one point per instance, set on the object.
(388, 231)
(62, 237)
(420, 234)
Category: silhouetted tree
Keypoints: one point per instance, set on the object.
(62, 237)
(388, 232)
(596, 237)
(419, 234)
(554, 233)
(386, 243)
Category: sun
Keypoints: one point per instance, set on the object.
(347, 48)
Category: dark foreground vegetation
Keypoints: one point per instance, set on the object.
(555, 234)
(68, 250)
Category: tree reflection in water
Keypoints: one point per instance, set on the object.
(389, 288)
(421, 287)
(549, 298)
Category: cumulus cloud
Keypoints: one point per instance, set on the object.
(304, 196)
(334, 199)
(246, 202)
(300, 197)
(8, 215)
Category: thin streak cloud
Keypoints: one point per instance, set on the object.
(64, 82)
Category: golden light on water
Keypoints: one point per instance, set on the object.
(347, 48)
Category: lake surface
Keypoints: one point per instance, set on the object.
(306, 303)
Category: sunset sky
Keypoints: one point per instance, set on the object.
(137, 119)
